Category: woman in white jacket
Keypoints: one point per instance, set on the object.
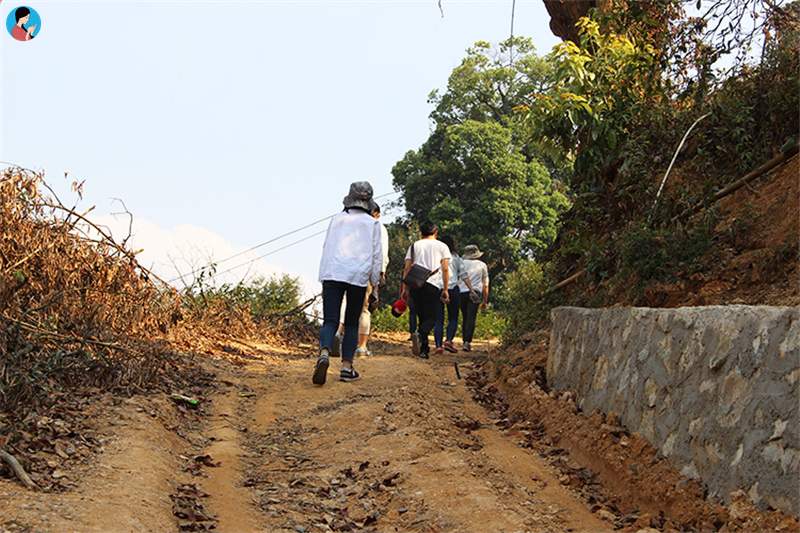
(352, 258)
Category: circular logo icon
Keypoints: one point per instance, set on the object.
(23, 23)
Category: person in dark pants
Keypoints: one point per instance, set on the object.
(433, 255)
(457, 274)
(474, 292)
(352, 258)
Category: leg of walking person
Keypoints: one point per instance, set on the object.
(426, 299)
(412, 326)
(464, 312)
(364, 322)
(355, 298)
(452, 319)
(332, 294)
(470, 320)
(438, 327)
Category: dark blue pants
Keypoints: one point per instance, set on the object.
(332, 294)
(452, 318)
(469, 311)
(426, 302)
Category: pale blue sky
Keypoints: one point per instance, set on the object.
(232, 122)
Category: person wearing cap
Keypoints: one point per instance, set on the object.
(474, 292)
(365, 320)
(352, 259)
(433, 256)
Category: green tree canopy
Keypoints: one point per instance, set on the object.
(473, 181)
(488, 85)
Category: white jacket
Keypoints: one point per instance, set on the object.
(353, 252)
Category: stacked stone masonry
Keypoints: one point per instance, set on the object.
(715, 389)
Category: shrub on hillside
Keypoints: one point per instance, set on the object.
(491, 324)
(524, 300)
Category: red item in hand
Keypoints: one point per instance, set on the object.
(399, 307)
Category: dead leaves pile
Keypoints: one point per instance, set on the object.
(51, 446)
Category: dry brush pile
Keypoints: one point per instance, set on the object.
(77, 310)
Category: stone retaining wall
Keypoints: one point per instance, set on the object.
(715, 389)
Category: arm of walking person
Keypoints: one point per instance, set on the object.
(445, 280)
(403, 286)
(377, 255)
(385, 245)
(465, 277)
(485, 288)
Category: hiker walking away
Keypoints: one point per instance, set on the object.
(425, 279)
(370, 301)
(474, 292)
(352, 258)
(457, 274)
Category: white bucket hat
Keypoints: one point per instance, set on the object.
(472, 252)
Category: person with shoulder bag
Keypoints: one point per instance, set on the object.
(426, 277)
(352, 259)
(474, 292)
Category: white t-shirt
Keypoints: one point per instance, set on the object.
(429, 253)
(478, 275)
(352, 252)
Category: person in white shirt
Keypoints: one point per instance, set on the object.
(365, 320)
(431, 254)
(352, 258)
(458, 275)
(475, 294)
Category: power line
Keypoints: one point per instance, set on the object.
(511, 38)
(269, 253)
(265, 243)
(308, 237)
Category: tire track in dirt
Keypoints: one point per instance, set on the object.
(230, 502)
(404, 449)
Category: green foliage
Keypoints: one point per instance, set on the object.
(599, 88)
(477, 185)
(487, 85)
(491, 324)
(605, 115)
(401, 235)
(661, 254)
(523, 298)
(263, 297)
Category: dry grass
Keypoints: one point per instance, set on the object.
(77, 310)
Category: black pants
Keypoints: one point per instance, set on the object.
(426, 303)
(332, 294)
(469, 310)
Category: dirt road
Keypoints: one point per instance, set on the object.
(404, 449)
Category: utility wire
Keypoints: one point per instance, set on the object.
(265, 243)
(308, 237)
(511, 38)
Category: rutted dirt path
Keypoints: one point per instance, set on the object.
(407, 448)
(404, 449)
